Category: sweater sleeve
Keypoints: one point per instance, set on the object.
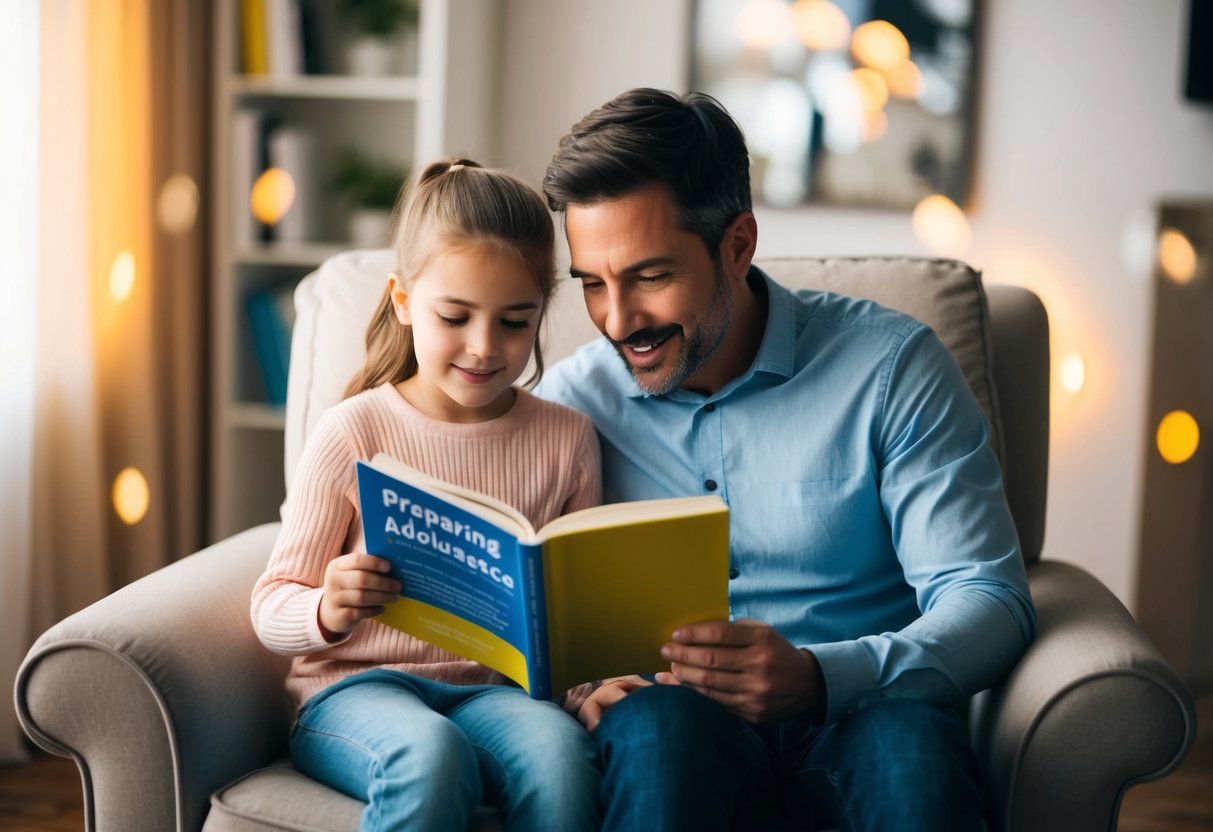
(317, 519)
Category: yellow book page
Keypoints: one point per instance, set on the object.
(452, 633)
(615, 595)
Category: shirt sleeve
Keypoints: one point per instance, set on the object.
(316, 522)
(941, 491)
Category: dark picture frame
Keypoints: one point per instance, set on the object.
(847, 102)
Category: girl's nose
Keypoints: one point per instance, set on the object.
(482, 342)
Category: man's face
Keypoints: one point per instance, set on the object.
(652, 289)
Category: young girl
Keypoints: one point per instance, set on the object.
(420, 734)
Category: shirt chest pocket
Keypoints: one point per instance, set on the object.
(824, 492)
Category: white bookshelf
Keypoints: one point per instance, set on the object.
(442, 104)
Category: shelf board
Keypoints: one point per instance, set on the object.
(350, 87)
(287, 254)
(252, 416)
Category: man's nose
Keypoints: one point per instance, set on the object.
(623, 315)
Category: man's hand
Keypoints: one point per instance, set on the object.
(606, 695)
(355, 587)
(748, 667)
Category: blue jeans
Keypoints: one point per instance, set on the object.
(425, 754)
(673, 759)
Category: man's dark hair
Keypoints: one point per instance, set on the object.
(689, 144)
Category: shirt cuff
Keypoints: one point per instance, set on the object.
(849, 675)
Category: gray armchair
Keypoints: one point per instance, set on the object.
(176, 716)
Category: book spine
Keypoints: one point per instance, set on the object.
(289, 148)
(273, 350)
(254, 48)
(245, 165)
(539, 666)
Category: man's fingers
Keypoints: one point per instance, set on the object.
(701, 678)
(725, 633)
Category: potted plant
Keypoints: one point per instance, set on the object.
(382, 31)
(370, 187)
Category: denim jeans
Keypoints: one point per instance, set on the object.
(673, 759)
(424, 754)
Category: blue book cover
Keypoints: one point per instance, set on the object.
(591, 595)
(470, 586)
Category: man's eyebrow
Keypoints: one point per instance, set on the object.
(640, 265)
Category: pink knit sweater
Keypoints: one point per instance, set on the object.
(539, 457)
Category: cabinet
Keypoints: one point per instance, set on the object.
(439, 102)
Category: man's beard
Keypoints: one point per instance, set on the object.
(695, 351)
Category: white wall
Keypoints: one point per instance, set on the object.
(1081, 131)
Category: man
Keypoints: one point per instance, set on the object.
(876, 578)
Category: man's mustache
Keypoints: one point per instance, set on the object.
(643, 337)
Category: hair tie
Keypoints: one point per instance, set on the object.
(455, 167)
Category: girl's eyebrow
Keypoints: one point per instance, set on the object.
(513, 307)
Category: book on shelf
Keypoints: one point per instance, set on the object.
(271, 315)
(280, 38)
(591, 595)
(289, 148)
(246, 167)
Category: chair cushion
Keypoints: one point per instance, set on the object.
(281, 797)
(946, 295)
(334, 304)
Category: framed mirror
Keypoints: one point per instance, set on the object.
(848, 102)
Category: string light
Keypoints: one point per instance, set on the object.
(122, 276)
(1178, 436)
(130, 495)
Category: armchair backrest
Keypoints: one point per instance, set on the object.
(998, 335)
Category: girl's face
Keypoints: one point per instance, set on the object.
(475, 313)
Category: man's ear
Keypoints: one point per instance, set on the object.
(399, 298)
(739, 244)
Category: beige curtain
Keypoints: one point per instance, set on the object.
(18, 300)
(122, 296)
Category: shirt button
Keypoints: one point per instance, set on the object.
(709, 407)
(733, 573)
(710, 485)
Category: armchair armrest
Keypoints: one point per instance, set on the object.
(161, 692)
(1091, 709)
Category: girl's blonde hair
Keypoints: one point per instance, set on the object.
(448, 205)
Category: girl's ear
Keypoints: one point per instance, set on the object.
(399, 298)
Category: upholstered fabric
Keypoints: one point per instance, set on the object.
(165, 697)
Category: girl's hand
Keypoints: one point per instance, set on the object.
(606, 695)
(355, 587)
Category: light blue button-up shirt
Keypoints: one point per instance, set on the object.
(867, 518)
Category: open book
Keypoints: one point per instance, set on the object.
(591, 595)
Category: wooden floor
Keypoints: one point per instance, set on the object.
(44, 795)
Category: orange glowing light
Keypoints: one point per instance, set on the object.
(272, 196)
(130, 495)
(1178, 436)
(821, 25)
(177, 206)
(1176, 255)
(941, 226)
(122, 276)
(1073, 372)
(879, 44)
(873, 91)
(875, 125)
(904, 79)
